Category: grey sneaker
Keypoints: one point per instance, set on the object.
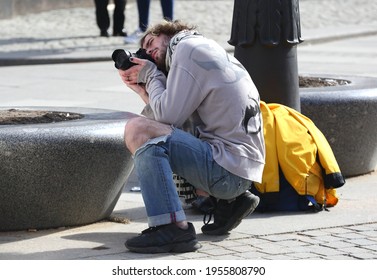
(134, 38)
(164, 239)
(228, 215)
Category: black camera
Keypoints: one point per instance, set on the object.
(122, 58)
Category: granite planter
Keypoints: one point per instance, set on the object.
(66, 173)
(347, 116)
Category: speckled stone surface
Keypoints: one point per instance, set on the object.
(347, 116)
(62, 174)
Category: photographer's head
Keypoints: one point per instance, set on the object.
(156, 39)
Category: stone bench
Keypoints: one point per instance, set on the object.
(66, 173)
(347, 116)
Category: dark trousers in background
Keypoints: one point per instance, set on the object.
(167, 7)
(103, 18)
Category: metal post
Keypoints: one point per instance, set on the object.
(265, 35)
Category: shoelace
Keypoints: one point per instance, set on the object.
(206, 205)
(150, 229)
(210, 214)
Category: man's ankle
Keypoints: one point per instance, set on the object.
(182, 224)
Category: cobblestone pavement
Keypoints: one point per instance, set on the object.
(334, 243)
(74, 30)
(347, 232)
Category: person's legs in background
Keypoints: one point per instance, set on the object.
(167, 9)
(119, 18)
(102, 17)
(143, 7)
(143, 11)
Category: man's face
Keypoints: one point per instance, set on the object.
(156, 47)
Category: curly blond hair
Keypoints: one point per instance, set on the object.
(169, 28)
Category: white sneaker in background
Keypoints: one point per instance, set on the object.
(134, 38)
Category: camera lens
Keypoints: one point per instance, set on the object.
(122, 59)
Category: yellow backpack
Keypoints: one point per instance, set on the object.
(297, 156)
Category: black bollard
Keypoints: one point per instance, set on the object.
(265, 35)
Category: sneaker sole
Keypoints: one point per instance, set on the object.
(181, 247)
(235, 222)
(251, 210)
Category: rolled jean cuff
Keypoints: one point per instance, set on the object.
(167, 218)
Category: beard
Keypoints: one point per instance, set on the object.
(160, 62)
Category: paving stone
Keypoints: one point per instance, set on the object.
(327, 238)
(303, 255)
(252, 255)
(351, 235)
(322, 250)
(355, 250)
(365, 256)
(362, 242)
(339, 244)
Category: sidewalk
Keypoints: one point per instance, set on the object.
(341, 38)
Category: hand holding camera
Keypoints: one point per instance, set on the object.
(129, 76)
(122, 58)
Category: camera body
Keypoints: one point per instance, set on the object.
(122, 58)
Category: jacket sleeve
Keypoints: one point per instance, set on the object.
(153, 78)
(175, 103)
(333, 177)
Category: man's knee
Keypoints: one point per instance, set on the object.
(133, 134)
(134, 124)
(140, 129)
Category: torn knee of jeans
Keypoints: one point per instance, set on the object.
(154, 141)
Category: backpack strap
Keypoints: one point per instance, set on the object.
(316, 207)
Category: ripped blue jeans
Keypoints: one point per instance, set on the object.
(189, 157)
